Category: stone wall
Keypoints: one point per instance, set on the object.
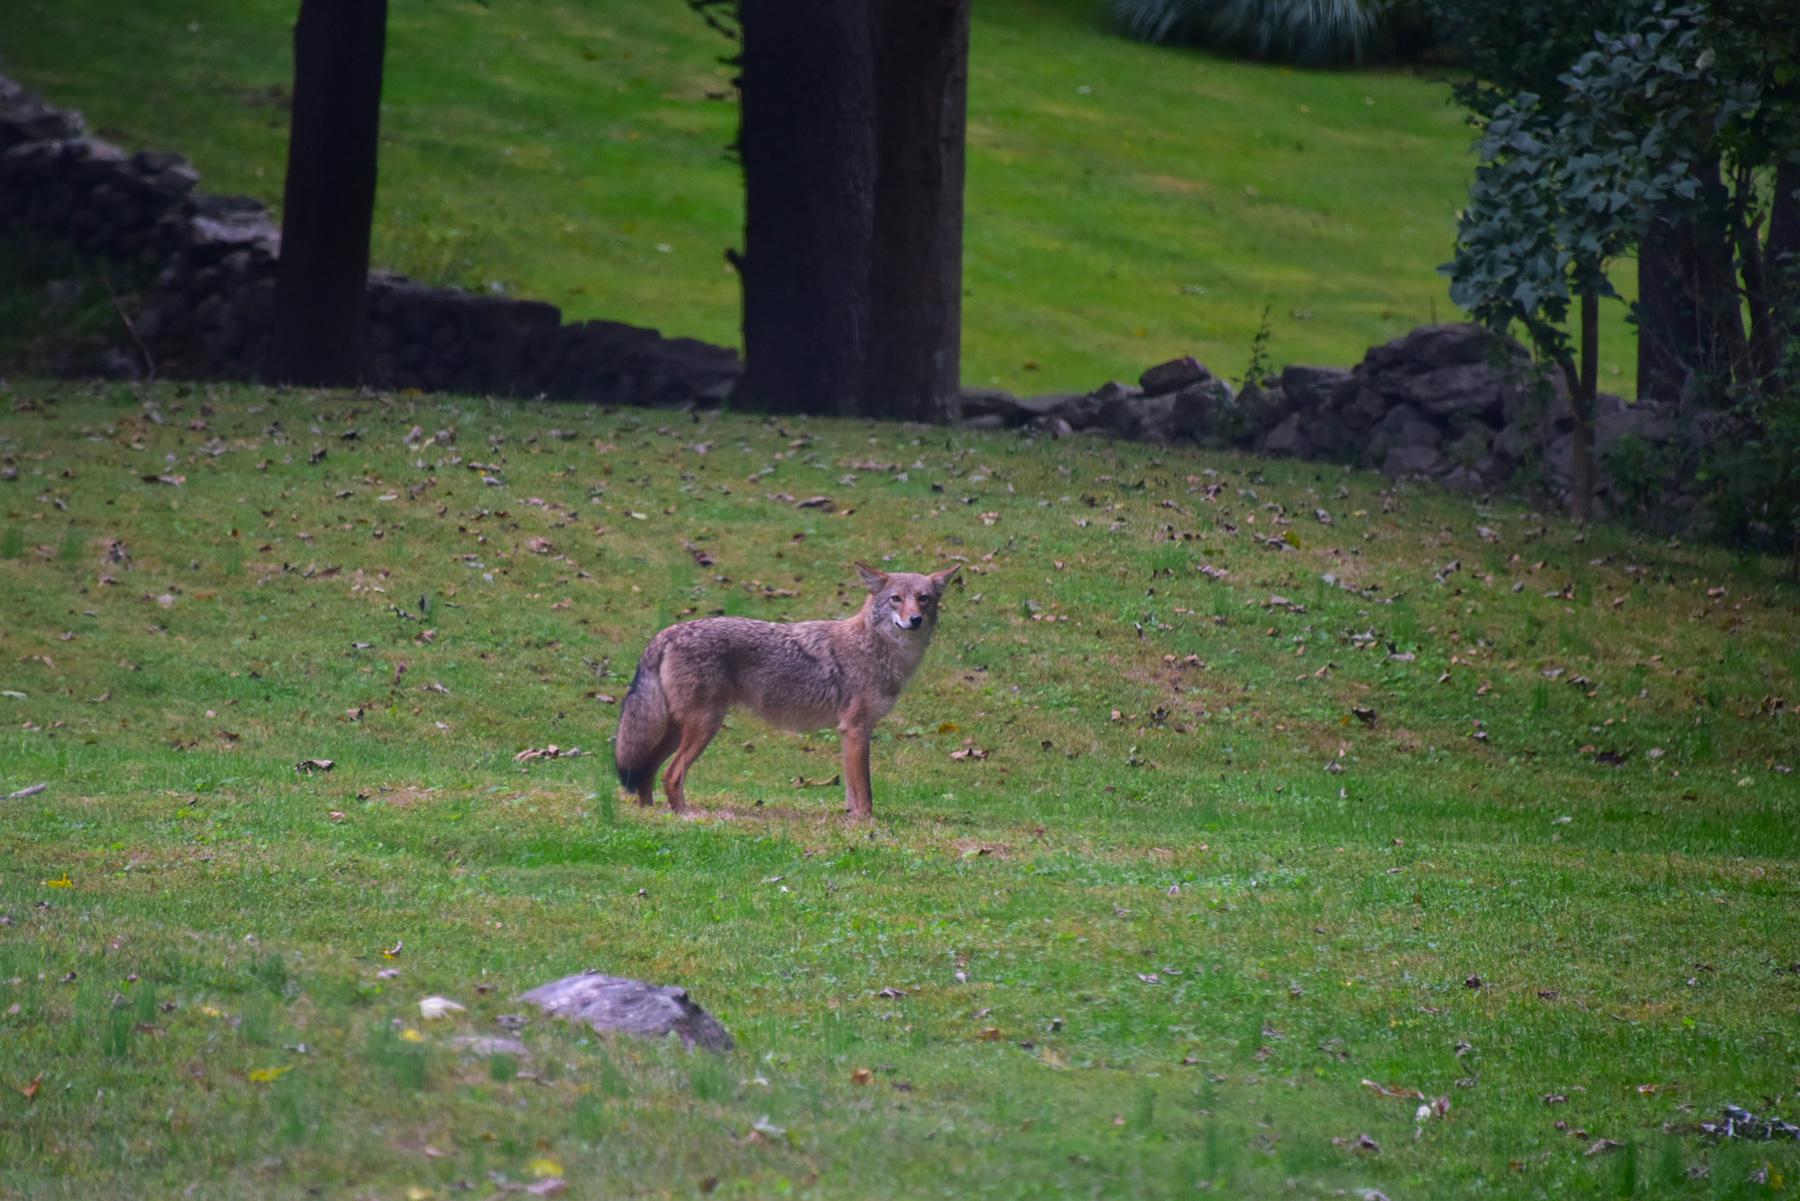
(1454, 404)
(1449, 403)
(207, 314)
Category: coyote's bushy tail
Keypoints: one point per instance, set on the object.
(643, 721)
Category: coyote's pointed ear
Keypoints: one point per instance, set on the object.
(940, 578)
(872, 580)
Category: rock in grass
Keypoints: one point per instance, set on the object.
(631, 1006)
(484, 1046)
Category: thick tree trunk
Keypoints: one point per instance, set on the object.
(1581, 405)
(1665, 320)
(921, 106)
(1690, 319)
(329, 199)
(1725, 351)
(809, 176)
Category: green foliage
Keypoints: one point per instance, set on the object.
(1567, 184)
(1512, 46)
(54, 298)
(1753, 474)
(1639, 474)
(1312, 32)
(1512, 264)
(1260, 365)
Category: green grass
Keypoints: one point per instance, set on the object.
(54, 303)
(1153, 942)
(1126, 203)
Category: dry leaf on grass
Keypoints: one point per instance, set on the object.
(550, 752)
(432, 1008)
(1388, 1090)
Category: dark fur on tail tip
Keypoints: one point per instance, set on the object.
(631, 777)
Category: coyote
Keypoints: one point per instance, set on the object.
(802, 675)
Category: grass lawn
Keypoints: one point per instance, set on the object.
(1126, 203)
(1163, 934)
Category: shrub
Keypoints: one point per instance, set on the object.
(1312, 32)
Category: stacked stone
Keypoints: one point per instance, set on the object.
(208, 313)
(1451, 403)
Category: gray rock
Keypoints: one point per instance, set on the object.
(1113, 390)
(1046, 404)
(1312, 387)
(996, 402)
(1173, 376)
(1463, 479)
(630, 1006)
(1328, 437)
(1083, 412)
(1193, 408)
(1287, 439)
(1406, 426)
(1412, 461)
(1462, 389)
(1650, 422)
(1559, 459)
(1434, 346)
(1141, 418)
(1365, 408)
(1514, 443)
(1262, 406)
(25, 117)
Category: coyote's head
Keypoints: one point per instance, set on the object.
(903, 599)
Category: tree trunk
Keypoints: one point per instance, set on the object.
(1781, 255)
(329, 198)
(1725, 352)
(1691, 341)
(921, 106)
(1746, 233)
(1667, 340)
(809, 176)
(1758, 298)
(1581, 406)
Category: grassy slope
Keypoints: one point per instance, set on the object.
(1182, 942)
(1126, 203)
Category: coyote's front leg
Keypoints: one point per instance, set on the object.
(853, 733)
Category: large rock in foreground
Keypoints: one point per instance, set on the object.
(631, 1007)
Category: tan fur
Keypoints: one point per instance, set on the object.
(802, 675)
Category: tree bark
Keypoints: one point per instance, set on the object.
(1691, 343)
(1725, 352)
(329, 198)
(1758, 298)
(1781, 255)
(808, 147)
(1667, 340)
(1581, 407)
(921, 107)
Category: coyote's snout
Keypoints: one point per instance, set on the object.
(802, 675)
